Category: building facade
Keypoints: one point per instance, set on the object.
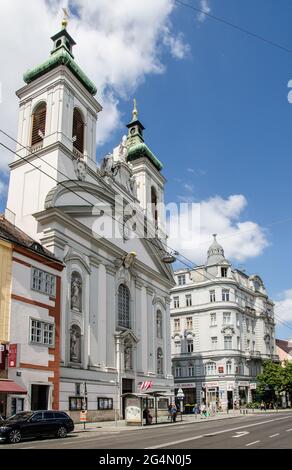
(30, 315)
(222, 327)
(105, 224)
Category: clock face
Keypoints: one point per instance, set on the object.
(133, 130)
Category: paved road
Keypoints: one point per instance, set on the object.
(267, 431)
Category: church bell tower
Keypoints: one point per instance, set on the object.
(57, 128)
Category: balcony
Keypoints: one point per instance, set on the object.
(77, 153)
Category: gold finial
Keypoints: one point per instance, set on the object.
(135, 111)
(65, 19)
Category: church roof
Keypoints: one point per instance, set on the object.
(215, 253)
(60, 57)
(140, 150)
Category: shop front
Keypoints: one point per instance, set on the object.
(211, 394)
(243, 388)
(10, 397)
(189, 400)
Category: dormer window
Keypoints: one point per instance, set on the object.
(224, 272)
(78, 131)
(38, 124)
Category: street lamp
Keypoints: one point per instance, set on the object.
(116, 383)
(180, 395)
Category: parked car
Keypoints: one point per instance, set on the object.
(33, 424)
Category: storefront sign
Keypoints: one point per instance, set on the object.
(210, 384)
(185, 385)
(12, 355)
(253, 386)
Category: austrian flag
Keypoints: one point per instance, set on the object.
(145, 385)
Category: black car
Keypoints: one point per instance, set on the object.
(32, 424)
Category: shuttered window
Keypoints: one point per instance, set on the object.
(39, 124)
(78, 131)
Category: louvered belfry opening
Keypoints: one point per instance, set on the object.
(38, 124)
(78, 131)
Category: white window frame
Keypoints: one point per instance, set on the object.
(42, 330)
(176, 323)
(176, 302)
(212, 294)
(213, 319)
(190, 345)
(177, 371)
(225, 295)
(210, 368)
(188, 300)
(181, 279)
(46, 282)
(214, 342)
(191, 371)
(226, 318)
(228, 367)
(189, 321)
(229, 342)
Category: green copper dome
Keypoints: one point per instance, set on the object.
(61, 55)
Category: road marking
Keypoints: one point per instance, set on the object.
(288, 430)
(169, 444)
(251, 443)
(241, 433)
(274, 435)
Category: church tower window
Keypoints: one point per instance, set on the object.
(154, 205)
(78, 131)
(38, 124)
(124, 306)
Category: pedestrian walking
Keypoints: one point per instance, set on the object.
(169, 411)
(204, 411)
(173, 413)
(196, 410)
(262, 406)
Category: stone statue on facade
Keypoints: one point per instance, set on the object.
(76, 292)
(123, 149)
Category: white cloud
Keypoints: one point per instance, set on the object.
(119, 42)
(283, 307)
(204, 5)
(189, 187)
(191, 229)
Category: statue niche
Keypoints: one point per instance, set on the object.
(76, 292)
(75, 344)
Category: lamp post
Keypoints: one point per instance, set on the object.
(180, 395)
(116, 383)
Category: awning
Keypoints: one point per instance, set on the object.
(9, 386)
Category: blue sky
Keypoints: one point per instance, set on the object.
(222, 112)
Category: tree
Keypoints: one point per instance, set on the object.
(271, 382)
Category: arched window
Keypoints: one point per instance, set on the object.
(75, 344)
(191, 369)
(38, 124)
(159, 361)
(76, 291)
(78, 131)
(124, 306)
(159, 324)
(154, 205)
(190, 345)
(210, 368)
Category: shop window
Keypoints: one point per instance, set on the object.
(104, 403)
(77, 403)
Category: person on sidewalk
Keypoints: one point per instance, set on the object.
(173, 413)
(204, 411)
(169, 411)
(196, 410)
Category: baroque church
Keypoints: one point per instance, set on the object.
(105, 224)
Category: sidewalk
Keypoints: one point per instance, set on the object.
(119, 426)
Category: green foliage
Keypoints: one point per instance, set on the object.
(275, 378)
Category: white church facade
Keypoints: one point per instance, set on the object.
(105, 225)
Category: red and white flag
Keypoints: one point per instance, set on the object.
(145, 385)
